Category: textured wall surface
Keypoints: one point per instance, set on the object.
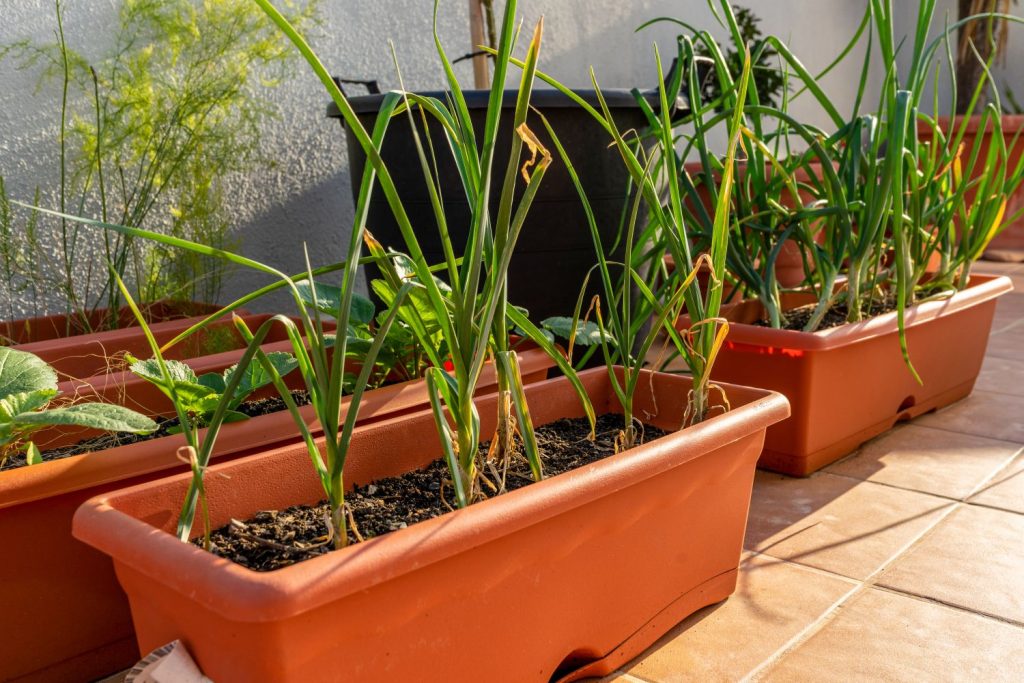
(305, 197)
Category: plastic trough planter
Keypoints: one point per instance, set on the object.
(54, 585)
(849, 384)
(562, 579)
(60, 328)
(88, 355)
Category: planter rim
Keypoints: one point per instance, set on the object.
(542, 98)
(1011, 123)
(981, 288)
(110, 337)
(174, 308)
(57, 477)
(225, 587)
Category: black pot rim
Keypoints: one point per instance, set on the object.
(542, 98)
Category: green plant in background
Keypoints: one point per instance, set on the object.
(401, 356)
(199, 396)
(468, 310)
(630, 317)
(771, 207)
(766, 77)
(148, 132)
(871, 206)
(634, 323)
(27, 387)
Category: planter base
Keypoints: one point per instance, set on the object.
(848, 384)
(805, 465)
(712, 591)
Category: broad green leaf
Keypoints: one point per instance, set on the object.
(109, 418)
(407, 272)
(357, 347)
(588, 333)
(548, 334)
(24, 402)
(417, 301)
(256, 376)
(328, 300)
(196, 398)
(150, 370)
(23, 372)
(32, 454)
(214, 381)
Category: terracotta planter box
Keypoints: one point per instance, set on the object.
(62, 327)
(1012, 237)
(849, 384)
(563, 579)
(54, 585)
(89, 355)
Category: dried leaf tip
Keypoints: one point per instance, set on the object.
(536, 147)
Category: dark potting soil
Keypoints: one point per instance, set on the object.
(278, 538)
(262, 406)
(797, 318)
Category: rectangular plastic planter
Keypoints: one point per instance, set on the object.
(66, 617)
(848, 384)
(88, 355)
(55, 328)
(566, 578)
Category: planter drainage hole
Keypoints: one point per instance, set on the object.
(577, 659)
(908, 403)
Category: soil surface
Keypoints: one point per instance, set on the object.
(797, 318)
(278, 538)
(263, 406)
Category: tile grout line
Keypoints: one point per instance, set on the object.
(990, 506)
(978, 488)
(1004, 328)
(1018, 444)
(959, 608)
(628, 677)
(897, 487)
(805, 633)
(821, 622)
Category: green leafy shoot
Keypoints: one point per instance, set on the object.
(465, 316)
(200, 396)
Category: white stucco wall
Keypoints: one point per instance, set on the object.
(307, 197)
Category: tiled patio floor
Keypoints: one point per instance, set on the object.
(902, 562)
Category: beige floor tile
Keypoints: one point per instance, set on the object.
(973, 559)
(1003, 375)
(1014, 271)
(983, 413)
(835, 523)
(1006, 490)
(1007, 342)
(997, 267)
(1010, 309)
(774, 601)
(928, 460)
(881, 636)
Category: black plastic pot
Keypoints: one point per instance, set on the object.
(555, 249)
